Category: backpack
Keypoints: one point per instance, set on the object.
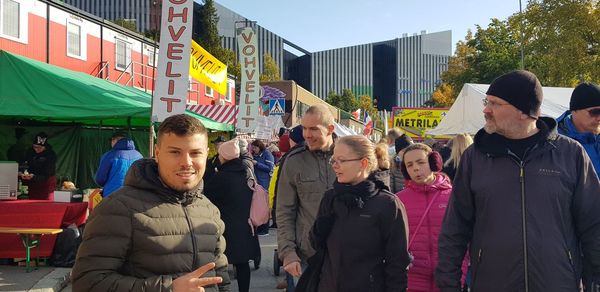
(259, 207)
(65, 248)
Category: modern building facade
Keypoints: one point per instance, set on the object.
(399, 72)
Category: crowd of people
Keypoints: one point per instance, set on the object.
(513, 209)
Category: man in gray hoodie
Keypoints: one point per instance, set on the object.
(525, 201)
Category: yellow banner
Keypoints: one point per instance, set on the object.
(415, 121)
(207, 69)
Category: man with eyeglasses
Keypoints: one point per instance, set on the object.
(582, 121)
(525, 201)
(303, 179)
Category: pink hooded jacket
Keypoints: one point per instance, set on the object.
(424, 246)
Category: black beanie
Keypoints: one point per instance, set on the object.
(402, 142)
(585, 95)
(521, 89)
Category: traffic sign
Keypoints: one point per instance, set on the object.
(277, 107)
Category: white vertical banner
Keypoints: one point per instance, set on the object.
(249, 107)
(171, 85)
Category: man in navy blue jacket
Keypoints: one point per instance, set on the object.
(115, 163)
(582, 121)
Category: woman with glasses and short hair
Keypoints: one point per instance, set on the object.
(360, 229)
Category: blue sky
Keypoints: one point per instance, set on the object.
(327, 24)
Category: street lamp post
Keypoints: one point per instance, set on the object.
(522, 36)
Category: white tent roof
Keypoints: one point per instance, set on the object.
(342, 130)
(466, 114)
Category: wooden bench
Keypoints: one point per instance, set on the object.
(31, 239)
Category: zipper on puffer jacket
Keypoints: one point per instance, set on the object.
(189, 221)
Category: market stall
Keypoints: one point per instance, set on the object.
(37, 214)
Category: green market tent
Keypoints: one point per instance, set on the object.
(34, 90)
(70, 107)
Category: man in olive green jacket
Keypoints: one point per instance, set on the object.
(158, 232)
(303, 179)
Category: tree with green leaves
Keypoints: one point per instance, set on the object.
(346, 101)
(560, 41)
(270, 69)
(208, 34)
(365, 103)
(208, 38)
(126, 23)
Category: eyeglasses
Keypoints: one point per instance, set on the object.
(594, 112)
(333, 162)
(492, 104)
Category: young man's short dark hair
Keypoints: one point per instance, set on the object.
(181, 125)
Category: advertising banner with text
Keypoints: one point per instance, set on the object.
(171, 89)
(415, 121)
(208, 69)
(249, 88)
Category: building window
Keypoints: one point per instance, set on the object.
(73, 39)
(208, 91)
(13, 20)
(230, 88)
(151, 57)
(123, 54)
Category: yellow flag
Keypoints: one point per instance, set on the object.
(207, 69)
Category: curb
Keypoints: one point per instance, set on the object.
(55, 281)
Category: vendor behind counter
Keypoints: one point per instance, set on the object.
(40, 175)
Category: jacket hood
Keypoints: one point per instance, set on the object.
(143, 174)
(380, 177)
(494, 143)
(124, 144)
(441, 182)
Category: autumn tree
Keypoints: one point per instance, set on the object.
(443, 96)
(270, 69)
(365, 103)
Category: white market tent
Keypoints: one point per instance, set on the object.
(342, 130)
(466, 114)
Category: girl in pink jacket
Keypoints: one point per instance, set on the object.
(425, 195)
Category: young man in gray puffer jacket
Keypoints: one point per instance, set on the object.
(158, 232)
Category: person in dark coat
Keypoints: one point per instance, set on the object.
(228, 189)
(361, 226)
(41, 161)
(213, 162)
(524, 201)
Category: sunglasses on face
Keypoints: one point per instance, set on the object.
(594, 112)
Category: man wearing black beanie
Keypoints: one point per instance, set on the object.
(582, 121)
(522, 201)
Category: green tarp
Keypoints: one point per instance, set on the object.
(70, 107)
(34, 90)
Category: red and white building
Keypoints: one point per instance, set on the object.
(64, 36)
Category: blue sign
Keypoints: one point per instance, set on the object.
(277, 107)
